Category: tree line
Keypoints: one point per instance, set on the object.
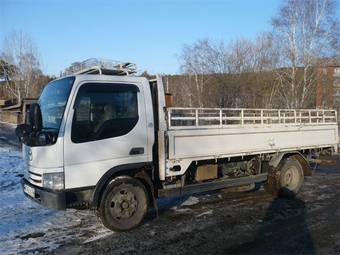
(278, 69)
(20, 71)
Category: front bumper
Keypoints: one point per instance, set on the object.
(47, 198)
(60, 200)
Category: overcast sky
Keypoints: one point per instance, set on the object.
(149, 33)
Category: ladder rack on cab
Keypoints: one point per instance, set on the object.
(101, 67)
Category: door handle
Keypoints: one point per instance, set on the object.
(137, 150)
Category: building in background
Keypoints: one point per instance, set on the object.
(16, 113)
(328, 88)
(336, 94)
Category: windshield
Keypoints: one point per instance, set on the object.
(53, 101)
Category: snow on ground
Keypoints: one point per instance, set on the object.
(190, 201)
(209, 212)
(26, 225)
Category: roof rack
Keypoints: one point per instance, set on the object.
(101, 66)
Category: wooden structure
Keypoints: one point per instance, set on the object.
(16, 114)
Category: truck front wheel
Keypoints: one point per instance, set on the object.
(124, 204)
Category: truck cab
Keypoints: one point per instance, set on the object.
(84, 128)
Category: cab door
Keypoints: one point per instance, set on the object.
(106, 127)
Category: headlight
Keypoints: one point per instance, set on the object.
(53, 181)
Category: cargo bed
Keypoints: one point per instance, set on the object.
(198, 134)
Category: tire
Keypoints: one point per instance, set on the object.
(124, 204)
(291, 178)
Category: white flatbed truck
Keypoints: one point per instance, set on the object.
(104, 139)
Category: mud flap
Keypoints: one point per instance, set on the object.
(144, 177)
(272, 184)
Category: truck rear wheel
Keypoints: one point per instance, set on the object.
(287, 179)
(291, 178)
(124, 204)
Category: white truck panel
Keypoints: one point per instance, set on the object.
(162, 128)
(43, 158)
(189, 145)
(85, 163)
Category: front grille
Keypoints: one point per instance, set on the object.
(34, 173)
(35, 178)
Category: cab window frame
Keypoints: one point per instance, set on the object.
(89, 90)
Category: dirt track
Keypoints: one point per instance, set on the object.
(237, 223)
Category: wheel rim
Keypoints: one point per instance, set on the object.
(123, 204)
(291, 178)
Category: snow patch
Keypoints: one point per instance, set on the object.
(190, 201)
(183, 210)
(99, 235)
(27, 227)
(210, 212)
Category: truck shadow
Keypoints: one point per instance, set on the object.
(283, 230)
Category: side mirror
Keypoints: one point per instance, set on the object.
(35, 117)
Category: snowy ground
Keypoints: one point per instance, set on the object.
(26, 226)
(218, 222)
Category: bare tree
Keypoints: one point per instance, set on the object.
(199, 60)
(266, 61)
(304, 31)
(241, 57)
(20, 53)
(220, 72)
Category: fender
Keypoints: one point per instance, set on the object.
(275, 161)
(126, 169)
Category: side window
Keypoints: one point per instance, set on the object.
(104, 111)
